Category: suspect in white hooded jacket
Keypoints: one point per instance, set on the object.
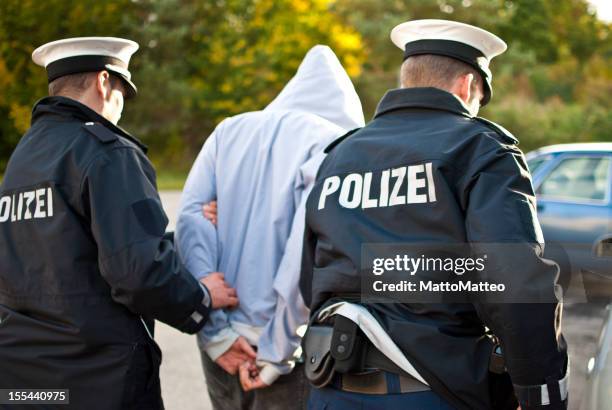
(260, 166)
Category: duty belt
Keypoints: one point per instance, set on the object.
(378, 382)
(380, 376)
(342, 356)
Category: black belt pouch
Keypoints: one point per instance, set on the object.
(319, 364)
(348, 346)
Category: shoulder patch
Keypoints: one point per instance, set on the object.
(504, 133)
(100, 131)
(339, 140)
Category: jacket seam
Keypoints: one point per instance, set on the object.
(98, 156)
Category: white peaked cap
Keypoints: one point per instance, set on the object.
(461, 41)
(87, 54)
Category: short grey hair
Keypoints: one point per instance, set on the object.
(430, 70)
(72, 84)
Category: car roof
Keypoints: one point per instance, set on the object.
(582, 147)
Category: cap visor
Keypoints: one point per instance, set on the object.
(128, 85)
(130, 88)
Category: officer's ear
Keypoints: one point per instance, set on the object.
(103, 85)
(463, 87)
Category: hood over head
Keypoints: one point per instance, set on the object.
(322, 87)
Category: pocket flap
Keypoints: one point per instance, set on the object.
(317, 344)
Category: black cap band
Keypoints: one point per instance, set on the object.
(457, 50)
(81, 64)
(91, 63)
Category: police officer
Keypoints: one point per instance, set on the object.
(85, 266)
(427, 170)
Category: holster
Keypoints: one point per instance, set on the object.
(339, 348)
(319, 365)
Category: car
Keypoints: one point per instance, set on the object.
(573, 185)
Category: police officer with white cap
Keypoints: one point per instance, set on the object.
(427, 172)
(85, 264)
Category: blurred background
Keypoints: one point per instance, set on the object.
(201, 61)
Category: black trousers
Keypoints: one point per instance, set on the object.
(143, 389)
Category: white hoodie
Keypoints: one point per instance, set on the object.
(260, 166)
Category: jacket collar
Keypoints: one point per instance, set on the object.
(417, 97)
(69, 108)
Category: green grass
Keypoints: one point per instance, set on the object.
(170, 180)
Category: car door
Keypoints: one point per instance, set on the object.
(574, 208)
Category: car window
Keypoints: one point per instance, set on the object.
(578, 178)
(537, 162)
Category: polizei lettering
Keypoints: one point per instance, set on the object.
(413, 184)
(26, 205)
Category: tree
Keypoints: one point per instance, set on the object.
(26, 24)
(199, 62)
(554, 84)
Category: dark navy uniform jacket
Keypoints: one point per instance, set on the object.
(467, 182)
(83, 258)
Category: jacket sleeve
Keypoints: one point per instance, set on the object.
(280, 340)
(197, 241)
(501, 222)
(128, 225)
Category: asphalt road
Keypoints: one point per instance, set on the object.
(182, 377)
(184, 387)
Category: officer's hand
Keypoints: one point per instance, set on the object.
(221, 294)
(210, 212)
(249, 377)
(239, 353)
